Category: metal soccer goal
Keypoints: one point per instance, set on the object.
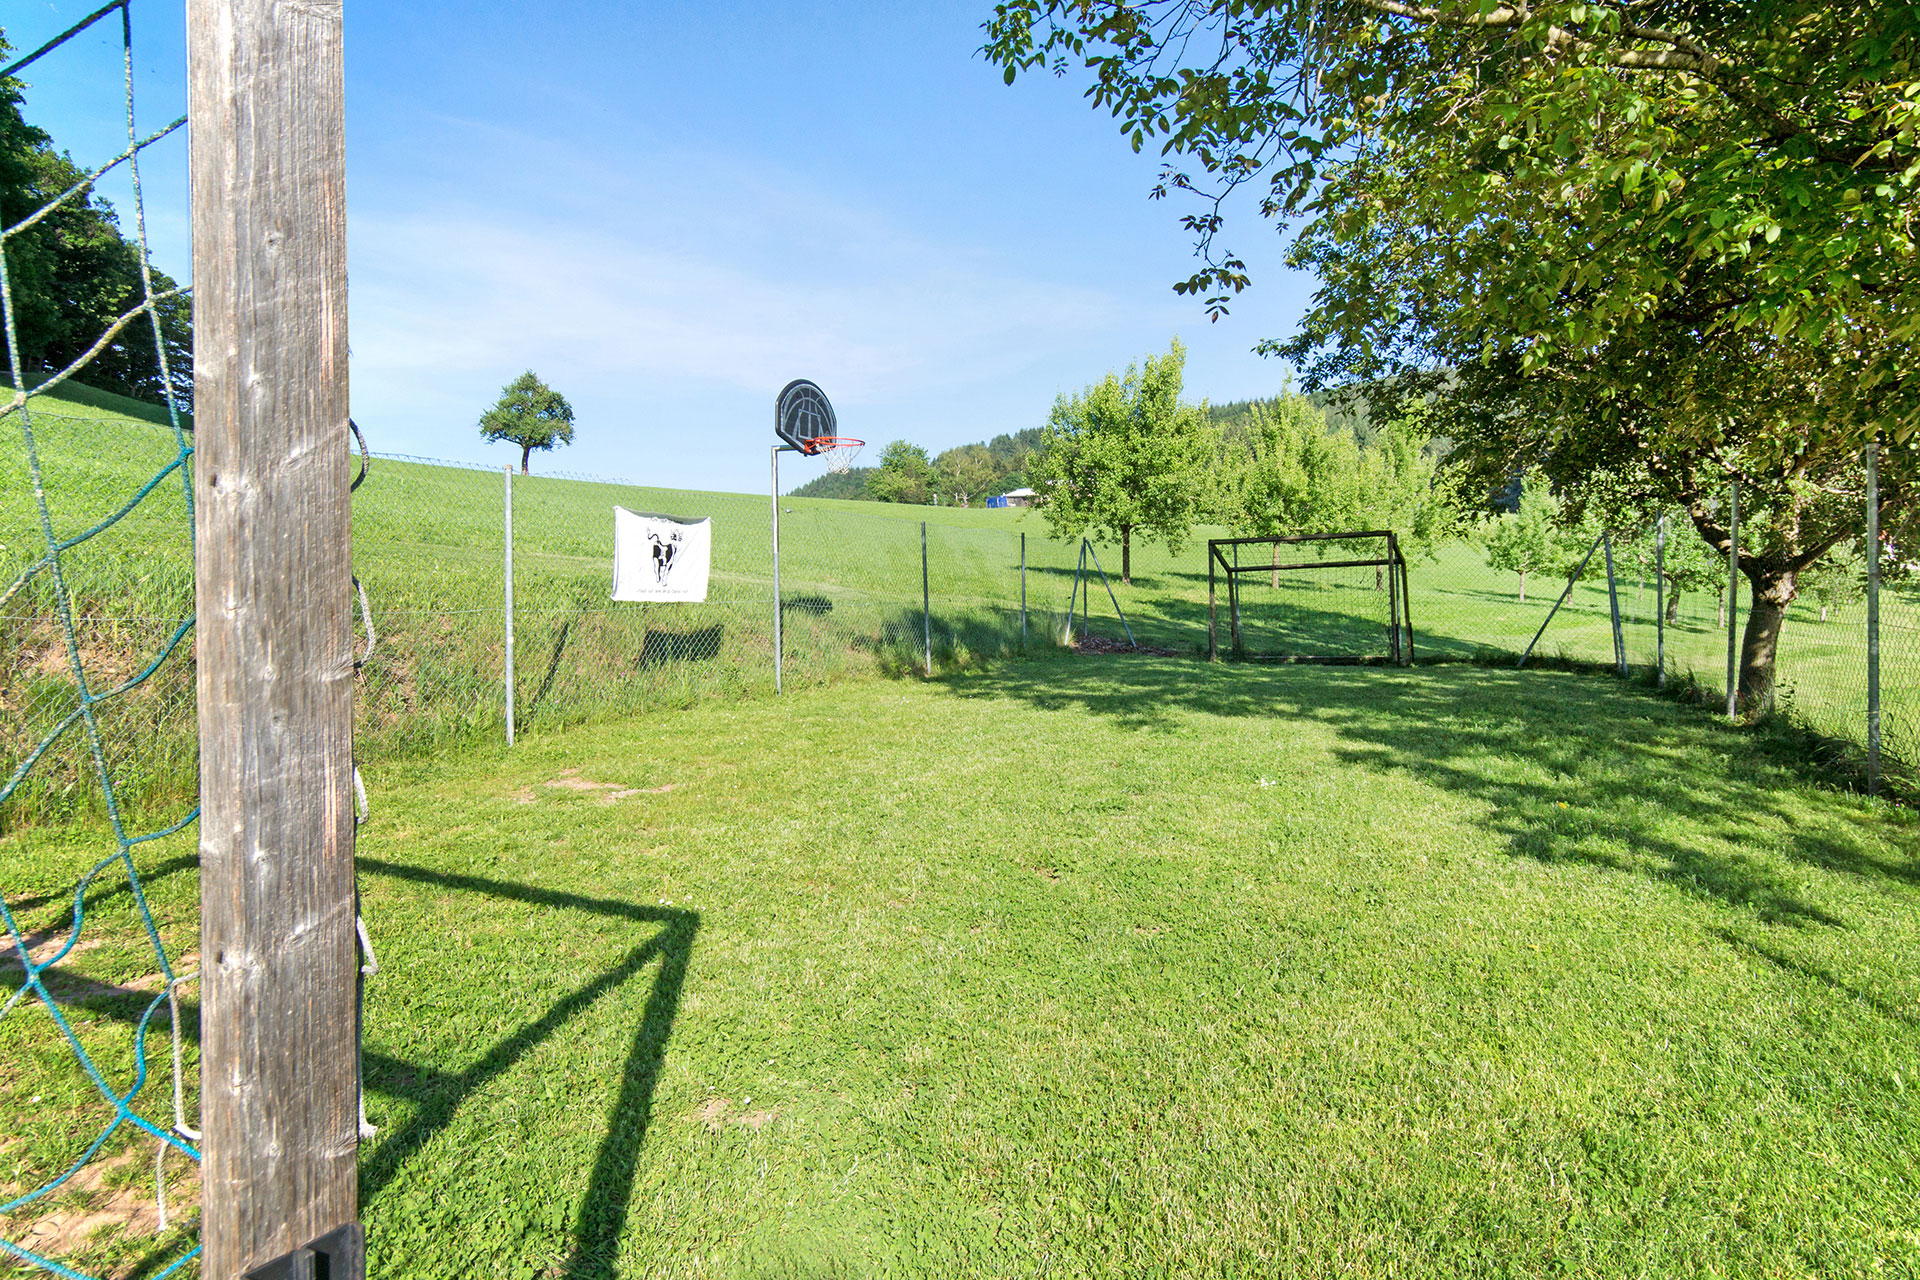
(1317, 597)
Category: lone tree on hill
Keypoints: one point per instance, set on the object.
(531, 414)
(1126, 455)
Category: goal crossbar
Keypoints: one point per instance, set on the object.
(1399, 622)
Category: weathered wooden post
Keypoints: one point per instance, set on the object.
(275, 660)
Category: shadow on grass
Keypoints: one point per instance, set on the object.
(603, 1211)
(1624, 792)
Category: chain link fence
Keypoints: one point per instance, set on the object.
(430, 547)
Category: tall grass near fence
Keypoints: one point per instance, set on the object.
(429, 545)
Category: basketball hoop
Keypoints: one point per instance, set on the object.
(838, 452)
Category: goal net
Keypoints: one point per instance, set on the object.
(1334, 597)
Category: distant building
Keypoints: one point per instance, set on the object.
(1013, 498)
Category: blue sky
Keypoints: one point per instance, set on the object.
(670, 210)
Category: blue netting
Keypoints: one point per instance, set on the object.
(122, 1083)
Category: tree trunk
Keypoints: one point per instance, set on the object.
(1673, 604)
(1721, 607)
(1126, 555)
(1773, 591)
(526, 451)
(1523, 586)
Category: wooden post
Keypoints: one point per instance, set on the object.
(275, 660)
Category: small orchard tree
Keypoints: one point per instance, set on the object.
(1126, 456)
(1686, 562)
(1529, 539)
(1836, 581)
(1295, 476)
(1400, 489)
(905, 474)
(531, 414)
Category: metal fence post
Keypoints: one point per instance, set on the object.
(1023, 591)
(926, 601)
(1873, 617)
(509, 604)
(274, 581)
(1572, 579)
(1733, 601)
(1213, 608)
(1660, 598)
(1613, 609)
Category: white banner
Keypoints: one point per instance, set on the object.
(659, 557)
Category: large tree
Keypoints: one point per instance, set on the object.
(965, 473)
(530, 414)
(75, 279)
(1126, 456)
(1666, 240)
(905, 474)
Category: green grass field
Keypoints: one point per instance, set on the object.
(1110, 966)
(429, 548)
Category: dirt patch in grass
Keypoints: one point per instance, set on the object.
(109, 1199)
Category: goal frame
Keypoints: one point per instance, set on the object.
(1220, 567)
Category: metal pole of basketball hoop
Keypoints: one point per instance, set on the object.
(777, 451)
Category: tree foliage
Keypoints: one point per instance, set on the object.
(1667, 241)
(530, 414)
(1126, 456)
(75, 279)
(966, 474)
(905, 474)
(1528, 539)
(849, 484)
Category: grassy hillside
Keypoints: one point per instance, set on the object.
(428, 547)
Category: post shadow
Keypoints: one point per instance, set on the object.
(603, 1210)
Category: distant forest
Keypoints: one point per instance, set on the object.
(966, 475)
(848, 484)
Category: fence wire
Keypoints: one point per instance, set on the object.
(98, 628)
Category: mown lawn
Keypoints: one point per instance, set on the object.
(1139, 967)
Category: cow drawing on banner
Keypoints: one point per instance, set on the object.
(660, 557)
(664, 551)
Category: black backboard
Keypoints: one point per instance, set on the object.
(802, 414)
